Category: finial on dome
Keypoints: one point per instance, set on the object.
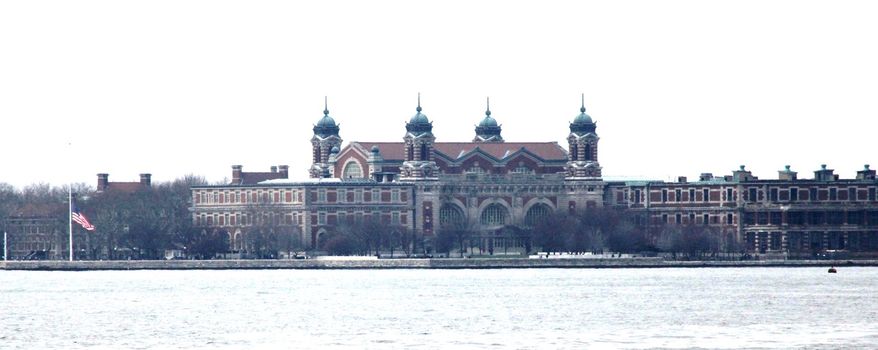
(419, 103)
(488, 111)
(582, 109)
(325, 106)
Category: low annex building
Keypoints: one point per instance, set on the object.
(488, 184)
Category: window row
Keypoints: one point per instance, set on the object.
(254, 197)
(854, 217)
(793, 194)
(394, 218)
(698, 219)
(248, 219)
(343, 195)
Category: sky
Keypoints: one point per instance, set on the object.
(677, 88)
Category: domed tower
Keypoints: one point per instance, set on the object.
(323, 143)
(419, 164)
(582, 162)
(488, 130)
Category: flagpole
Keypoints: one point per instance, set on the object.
(70, 217)
(5, 257)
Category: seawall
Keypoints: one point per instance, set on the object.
(411, 264)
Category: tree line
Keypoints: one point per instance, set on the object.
(143, 224)
(595, 231)
(140, 224)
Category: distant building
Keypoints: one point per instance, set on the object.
(489, 184)
(104, 184)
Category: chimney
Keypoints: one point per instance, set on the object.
(103, 182)
(787, 174)
(273, 169)
(681, 179)
(705, 177)
(284, 171)
(742, 175)
(145, 179)
(825, 174)
(866, 174)
(237, 174)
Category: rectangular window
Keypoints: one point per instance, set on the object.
(637, 197)
(852, 194)
(816, 218)
(872, 194)
(394, 196)
(794, 194)
(665, 218)
(665, 197)
(749, 218)
(375, 195)
(855, 218)
(729, 196)
(762, 218)
(394, 219)
(342, 195)
(706, 219)
(679, 218)
(752, 195)
(691, 218)
(812, 194)
(321, 195)
(342, 217)
(730, 219)
(772, 195)
(321, 218)
(358, 195)
(835, 218)
(776, 218)
(705, 196)
(678, 195)
(833, 194)
(692, 195)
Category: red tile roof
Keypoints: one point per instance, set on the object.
(453, 150)
(127, 187)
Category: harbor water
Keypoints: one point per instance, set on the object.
(763, 308)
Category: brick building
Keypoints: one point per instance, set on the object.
(490, 183)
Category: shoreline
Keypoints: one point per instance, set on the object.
(444, 263)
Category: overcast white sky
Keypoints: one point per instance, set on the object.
(676, 88)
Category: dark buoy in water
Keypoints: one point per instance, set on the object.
(832, 269)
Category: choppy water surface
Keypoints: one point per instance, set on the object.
(547, 308)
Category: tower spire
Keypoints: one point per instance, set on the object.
(325, 106)
(582, 109)
(419, 103)
(488, 111)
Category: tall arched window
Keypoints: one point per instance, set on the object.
(494, 215)
(451, 215)
(536, 213)
(352, 170)
(588, 151)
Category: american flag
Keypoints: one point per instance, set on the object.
(79, 218)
